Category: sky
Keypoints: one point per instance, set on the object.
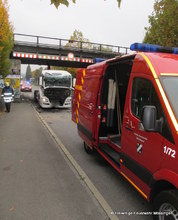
(100, 21)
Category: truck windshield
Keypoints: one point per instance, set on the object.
(170, 85)
(57, 79)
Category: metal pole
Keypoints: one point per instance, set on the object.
(118, 49)
(59, 43)
(37, 41)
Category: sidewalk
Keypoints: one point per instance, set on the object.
(37, 183)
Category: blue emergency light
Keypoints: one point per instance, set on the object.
(153, 48)
(98, 60)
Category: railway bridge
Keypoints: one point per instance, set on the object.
(41, 50)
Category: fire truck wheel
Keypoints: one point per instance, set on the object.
(166, 205)
(87, 148)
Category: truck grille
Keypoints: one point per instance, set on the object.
(57, 94)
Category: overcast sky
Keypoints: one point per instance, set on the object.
(100, 21)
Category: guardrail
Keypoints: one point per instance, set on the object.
(59, 43)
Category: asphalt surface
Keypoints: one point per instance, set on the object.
(36, 181)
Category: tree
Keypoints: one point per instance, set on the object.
(28, 73)
(6, 38)
(76, 39)
(163, 29)
(36, 73)
(57, 3)
(61, 2)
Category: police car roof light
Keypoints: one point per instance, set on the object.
(98, 60)
(153, 48)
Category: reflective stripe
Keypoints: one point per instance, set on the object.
(7, 93)
(7, 99)
(82, 80)
(169, 74)
(78, 87)
(84, 73)
(136, 187)
(6, 96)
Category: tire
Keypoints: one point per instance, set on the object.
(8, 106)
(166, 202)
(87, 148)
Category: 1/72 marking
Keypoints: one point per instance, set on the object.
(169, 151)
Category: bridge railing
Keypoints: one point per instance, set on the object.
(59, 43)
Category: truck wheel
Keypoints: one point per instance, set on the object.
(166, 205)
(35, 95)
(87, 148)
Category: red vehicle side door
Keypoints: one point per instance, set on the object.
(77, 94)
(88, 105)
(142, 149)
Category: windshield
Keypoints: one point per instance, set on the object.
(170, 85)
(57, 79)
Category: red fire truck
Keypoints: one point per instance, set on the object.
(126, 108)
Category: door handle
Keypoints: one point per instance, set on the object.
(129, 125)
(91, 113)
(128, 128)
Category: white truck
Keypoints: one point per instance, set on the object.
(55, 88)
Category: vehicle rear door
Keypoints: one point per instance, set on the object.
(87, 118)
(77, 94)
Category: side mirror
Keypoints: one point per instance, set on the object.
(148, 119)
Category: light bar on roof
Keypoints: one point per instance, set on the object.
(98, 60)
(153, 48)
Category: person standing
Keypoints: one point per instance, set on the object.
(7, 95)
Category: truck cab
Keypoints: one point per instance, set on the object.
(55, 88)
(128, 112)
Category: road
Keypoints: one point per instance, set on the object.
(123, 199)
